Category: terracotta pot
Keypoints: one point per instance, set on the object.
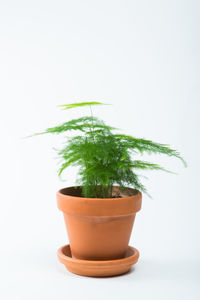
(98, 229)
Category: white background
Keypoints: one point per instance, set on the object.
(142, 57)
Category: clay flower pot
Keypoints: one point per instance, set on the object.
(98, 229)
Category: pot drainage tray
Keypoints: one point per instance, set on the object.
(98, 268)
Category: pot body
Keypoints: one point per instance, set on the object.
(98, 229)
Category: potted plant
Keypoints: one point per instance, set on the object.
(99, 211)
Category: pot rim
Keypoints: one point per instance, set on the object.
(98, 207)
(102, 199)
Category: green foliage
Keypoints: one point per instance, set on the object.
(82, 124)
(72, 105)
(104, 158)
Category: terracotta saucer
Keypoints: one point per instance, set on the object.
(98, 268)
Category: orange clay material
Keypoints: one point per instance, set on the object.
(98, 229)
(98, 268)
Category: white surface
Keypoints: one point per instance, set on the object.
(141, 56)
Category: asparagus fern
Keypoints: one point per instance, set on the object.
(105, 158)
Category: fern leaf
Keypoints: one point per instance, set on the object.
(144, 165)
(83, 124)
(80, 104)
(148, 146)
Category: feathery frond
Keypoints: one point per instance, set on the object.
(148, 146)
(83, 124)
(80, 104)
